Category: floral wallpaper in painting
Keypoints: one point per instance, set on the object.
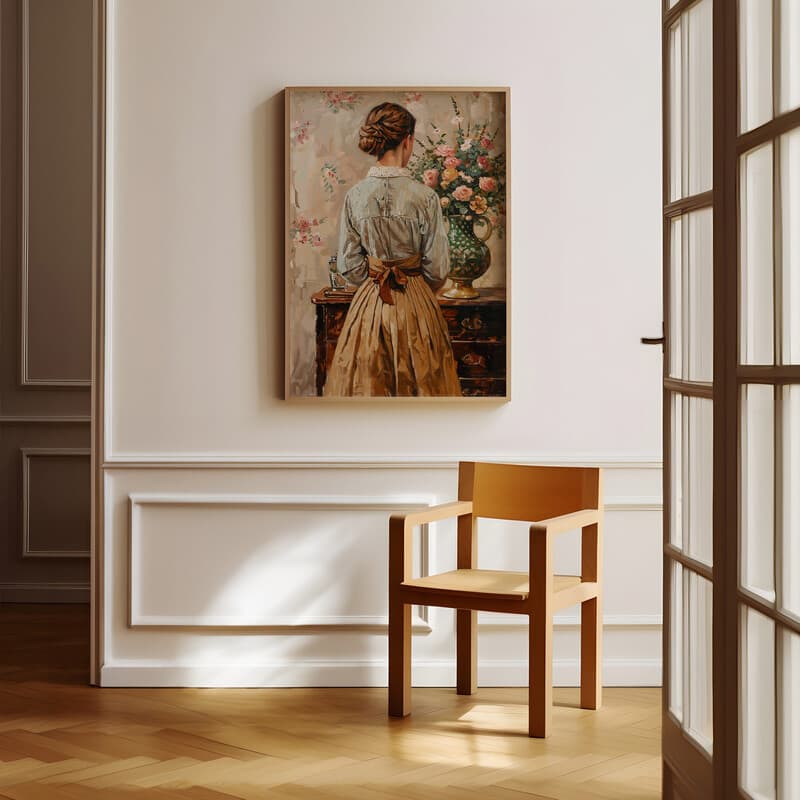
(460, 152)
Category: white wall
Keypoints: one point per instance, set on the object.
(195, 330)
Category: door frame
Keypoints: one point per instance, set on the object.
(99, 152)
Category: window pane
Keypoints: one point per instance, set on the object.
(676, 641)
(691, 476)
(700, 721)
(701, 296)
(756, 256)
(791, 500)
(698, 88)
(789, 722)
(758, 482)
(790, 57)
(790, 240)
(676, 112)
(691, 296)
(700, 478)
(676, 262)
(677, 432)
(690, 102)
(757, 766)
(755, 63)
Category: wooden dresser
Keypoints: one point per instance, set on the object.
(477, 332)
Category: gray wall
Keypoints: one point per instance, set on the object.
(45, 299)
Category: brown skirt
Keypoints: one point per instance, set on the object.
(400, 350)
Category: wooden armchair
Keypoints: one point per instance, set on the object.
(554, 500)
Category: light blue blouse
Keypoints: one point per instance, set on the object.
(390, 214)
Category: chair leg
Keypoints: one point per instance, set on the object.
(466, 652)
(540, 673)
(399, 659)
(591, 653)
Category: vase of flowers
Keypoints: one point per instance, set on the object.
(469, 255)
(469, 180)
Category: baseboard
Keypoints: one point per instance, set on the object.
(44, 593)
(616, 672)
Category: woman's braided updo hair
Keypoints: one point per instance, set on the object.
(385, 127)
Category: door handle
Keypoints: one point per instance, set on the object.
(654, 339)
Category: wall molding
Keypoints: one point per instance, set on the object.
(420, 622)
(209, 461)
(489, 620)
(27, 454)
(25, 379)
(44, 592)
(420, 619)
(15, 419)
(280, 624)
(341, 673)
(644, 503)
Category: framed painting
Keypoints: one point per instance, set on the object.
(397, 243)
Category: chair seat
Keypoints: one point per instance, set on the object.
(500, 585)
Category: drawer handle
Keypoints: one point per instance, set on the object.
(473, 323)
(473, 360)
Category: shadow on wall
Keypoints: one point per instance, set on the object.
(268, 206)
(288, 576)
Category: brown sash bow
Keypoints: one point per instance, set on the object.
(393, 273)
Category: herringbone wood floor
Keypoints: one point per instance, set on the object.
(62, 740)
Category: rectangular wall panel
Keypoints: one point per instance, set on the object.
(55, 502)
(56, 192)
(245, 560)
(44, 469)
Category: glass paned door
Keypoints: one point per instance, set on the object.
(688, 396)
(731, 195)
(768, 385)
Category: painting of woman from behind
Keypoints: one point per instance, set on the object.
(393, 247)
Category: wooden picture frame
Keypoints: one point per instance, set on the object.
(469, 128)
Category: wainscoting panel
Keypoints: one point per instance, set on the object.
(55, 330)
(274, 568)
(45, 508)
(55, 502)
(275, 575)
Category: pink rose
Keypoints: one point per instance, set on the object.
(445, 150)
(462, 193)
(483, 162)
(451, 162)
(430, 177)
(487, 143)
(488, 184)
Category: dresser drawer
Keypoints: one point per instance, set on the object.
(476, 321)
(480, 359)
(483, 387)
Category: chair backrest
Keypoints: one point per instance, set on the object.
(529, 493)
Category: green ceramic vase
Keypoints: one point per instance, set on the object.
(470, 257)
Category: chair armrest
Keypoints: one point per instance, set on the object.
(567, 522)
(459, 508)
(401, 528)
